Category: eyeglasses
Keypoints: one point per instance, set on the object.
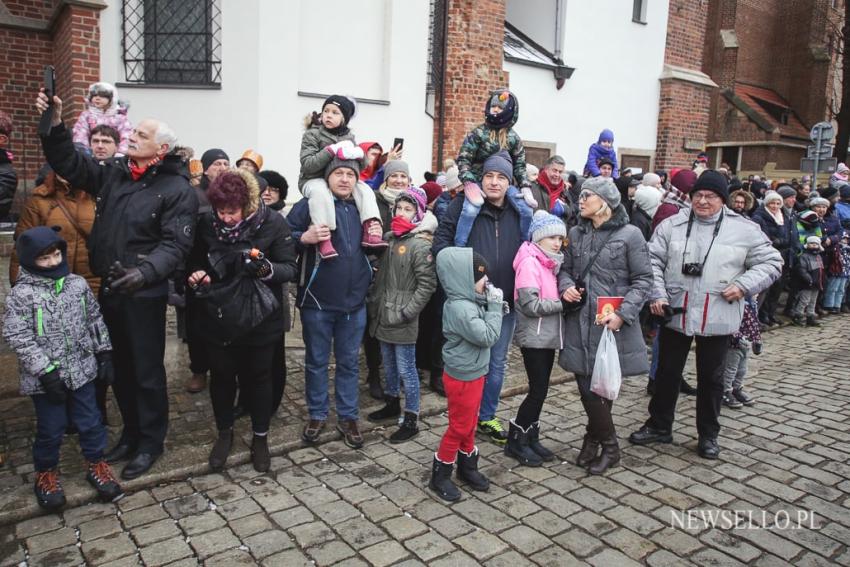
(707, 197)
(271, 189)
(585, 195)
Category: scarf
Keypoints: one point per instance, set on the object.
(390, 195)
(777, 216)
(554, 191)
(137, 171)
(244, 230)
(401, 226)
(557, 257)
(675, 197)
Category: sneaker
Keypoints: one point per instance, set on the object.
(101, 478)
(493, 429)
(48, 490)
(312, 431)
(350, 432)
(731, 401)
(743, 397)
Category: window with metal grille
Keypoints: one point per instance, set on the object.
(172, 42)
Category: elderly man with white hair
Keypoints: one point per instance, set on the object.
(142, 233)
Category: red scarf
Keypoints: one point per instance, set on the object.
(554, 192)
(136, 171)
(401, 226)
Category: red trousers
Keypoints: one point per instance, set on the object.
(464, 399)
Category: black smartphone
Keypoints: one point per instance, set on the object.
(50, 91)
(398, 143)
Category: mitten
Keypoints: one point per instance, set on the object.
(494, 294)
(349, 152)
(528, 197)
(473, 193)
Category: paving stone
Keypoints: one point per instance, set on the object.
(38, 525)
(157, 531)
(455, 559)
(330, 553)
(429, 546)
(68, 556)
(228, 492)
(734, 546)
(663, 558)
(274, 498)
(99, 528)
(525, 539)
(714, 557)
(630, 543)
(611, 557)
(312, 534)
(379, 510)
(554, 556)
(238, 509)
(481, 545)
(206, 522)
(230, 558)
(76, 516)
(451, 526)
(166, 551)
(186, 506)
(108, 548)
(268, 543)
(579, 542)
(360, 533)
(483, 515)
(250, 525)
(141, 516)
(384, 553)
(508, 559)
(402, 528)
(293, 517)
(210, 543)
(51, 540)
(335, 512)
(289, 558)
(170, 491)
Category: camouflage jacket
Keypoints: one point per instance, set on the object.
(54, 323)
(477, 147)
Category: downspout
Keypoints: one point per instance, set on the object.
(559, 8)
(442, 116)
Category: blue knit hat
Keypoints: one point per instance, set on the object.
(544, 224)
(499, 162)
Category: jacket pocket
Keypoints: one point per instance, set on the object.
(721, 317)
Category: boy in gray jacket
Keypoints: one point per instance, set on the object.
(472, 321)
(54, 325)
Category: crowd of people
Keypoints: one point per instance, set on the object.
(434, 280)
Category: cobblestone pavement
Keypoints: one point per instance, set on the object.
(786, 455)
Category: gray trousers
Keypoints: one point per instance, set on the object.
(807, 300)
(736, 367)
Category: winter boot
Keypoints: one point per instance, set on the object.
(101, 478)
(373, 380)
(812, 322)
(610, 455)
(687, 389)
(327, 250)
(590, 445)
(534, 443)
(221, 449)
(370, 240)
(48, 490)
(517, 446)
(467, 471)
(260, 457)
(436, 382)
(407, 430)
(798, 321)
(391, 410)
(441, 480)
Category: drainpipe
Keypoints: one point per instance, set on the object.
(559, 9)
(442, 116)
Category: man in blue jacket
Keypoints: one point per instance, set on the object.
(332, 300)
(496, 235)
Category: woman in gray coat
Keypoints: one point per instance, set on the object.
(619, 267)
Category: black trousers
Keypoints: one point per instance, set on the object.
(673, 349)
(253, 365)
(372, 350)
(137, 329)
(770, 302)
(583, 383)
(429, 342)
(278, 373)
(538, 367)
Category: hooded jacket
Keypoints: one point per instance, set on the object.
(538, 306)
(314, 158)
(471, 325)
(808, 272)
(483, 142)
(115, 116)
(622, 269)
(54, 323)
(46, 207)
(741, 255)
(597, 151)
(404, 285)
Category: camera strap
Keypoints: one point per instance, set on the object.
(713, 237)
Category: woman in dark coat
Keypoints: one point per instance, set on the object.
(777, 226)
(241, 245)
(622, 269)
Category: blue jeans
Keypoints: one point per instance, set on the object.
(496, 372)
(469, 213)
(834, 295)
(319, 328)
(53, 419)
(400, 366)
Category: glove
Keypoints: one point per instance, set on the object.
(473, 193)
(529, 198)
(349, 152)
(494, 294)
(105, 368)
(757, 348)
(259, 268)
(124, 280)
(54, 389)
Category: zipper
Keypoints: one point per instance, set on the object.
(39, 319)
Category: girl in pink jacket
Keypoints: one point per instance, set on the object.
(538, 331)
(102, 108)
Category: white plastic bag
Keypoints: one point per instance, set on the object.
(607, 377)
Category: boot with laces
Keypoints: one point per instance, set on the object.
(101, 478)
(48, 490)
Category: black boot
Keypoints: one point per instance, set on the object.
(534, 443)
(441, 481)
(373, 380)
(391, 410)
(467, 471)
(590, 445)
(687, 389)
(260, 457)
(221, 449)
(610, 455)
(407, 430)
(436, 382)
(517, 446)
(812, 322)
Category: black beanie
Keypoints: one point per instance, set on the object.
(33, 242)
(211, 156)
(828, 192)
(345, 105)
(479, 266)
(714, 181)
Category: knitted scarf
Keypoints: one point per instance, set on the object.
(554, 191)
(243, 230)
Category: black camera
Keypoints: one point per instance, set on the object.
(692, 269)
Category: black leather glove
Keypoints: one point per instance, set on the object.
(259, 268)
(131, 281)
(757, 348)
(54, 389)
(105, 368)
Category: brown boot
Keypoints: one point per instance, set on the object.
(610, 456)
(196, 383)
(590, 445)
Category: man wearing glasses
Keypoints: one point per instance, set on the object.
(704, 261)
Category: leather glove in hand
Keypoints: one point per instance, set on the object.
(259, 268)
(131, 281)
(54, 389)
(105, 368)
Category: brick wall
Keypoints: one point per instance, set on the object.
(473, 68)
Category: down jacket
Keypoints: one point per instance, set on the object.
(54, 322)
(741, 255)
(404, 284)
(314, 158)
(621, 270)
(115, 116)
(538, 306)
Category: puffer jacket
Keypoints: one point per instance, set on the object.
(115, 116)
(54, 323)
(314, 158)
(479, 145)
(471, 325)
(780, 236)
(45, 208)
(404, 285)
(741, 255)
(621, 270)
(538, 306)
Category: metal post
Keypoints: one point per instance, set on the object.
(817, 158)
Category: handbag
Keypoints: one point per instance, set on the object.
(573, 306)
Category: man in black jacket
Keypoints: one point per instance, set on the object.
(142, 233)
(8, 177)
(496, 234)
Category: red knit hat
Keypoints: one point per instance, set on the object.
(684, 180)
(432, 190)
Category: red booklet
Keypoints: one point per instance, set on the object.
(606, 305)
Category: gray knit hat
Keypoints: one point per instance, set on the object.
(605, 188)
(786, 191)
(544, 224)
(394, 166)
(336, 163)
(818, 201)
(499, 162)
(452, 178)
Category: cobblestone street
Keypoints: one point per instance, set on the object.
(784, 459)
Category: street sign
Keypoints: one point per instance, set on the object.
(822, 131)
(825, 151)
(825, 165)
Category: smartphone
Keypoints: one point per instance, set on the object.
(398, 143)
(50, 91)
